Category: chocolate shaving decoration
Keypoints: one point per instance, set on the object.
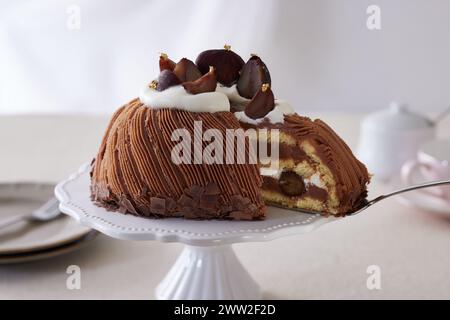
(166, 80)
(262, 103)
(194, 191)
(238, 202)
(144, 210)
(212, 189)
(207, 83)
(253, 75)
(185, 201)
(157, 205)
(240, 215)
(209, 201)
(186, 70)
(226, 62)
(291, 184)
(165, 63)
(125, 205)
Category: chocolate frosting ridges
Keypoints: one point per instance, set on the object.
(134, 173)
(350, 174)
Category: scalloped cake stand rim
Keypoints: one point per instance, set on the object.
(74, 196)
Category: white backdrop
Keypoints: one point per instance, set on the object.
(320, 53)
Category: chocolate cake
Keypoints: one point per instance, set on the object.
(138, 168)
(134, 172)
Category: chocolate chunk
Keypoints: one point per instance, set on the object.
(126, 205)
(185, 201)
(291, 184)
(240, 215)
(252, 208)
(212, 189)
(209, 201)
(189, 212)
(239, 202)
(102, 192)
(122, 209)
(194, 191)
(144, 210)
(157, 205)
(177, 214)
(224, 209)
(171, 205)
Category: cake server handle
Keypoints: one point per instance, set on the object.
(411, 188)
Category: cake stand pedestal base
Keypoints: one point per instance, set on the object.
(208, 272)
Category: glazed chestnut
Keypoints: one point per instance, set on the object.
(207, 83)
(165, 63)
(261, 104)
(166, 80)
(186, 70)
(226, 63)
(253, 75)
(291, 184)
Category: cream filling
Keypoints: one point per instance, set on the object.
(176, 97)
(276, 174)
(270, 172)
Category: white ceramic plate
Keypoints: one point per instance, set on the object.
(74, 196)
(23, 237)
(48, 253)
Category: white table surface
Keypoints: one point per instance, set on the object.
(412, 247)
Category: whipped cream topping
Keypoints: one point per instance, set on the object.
(177, 97)
(281, 109)
(233, 94)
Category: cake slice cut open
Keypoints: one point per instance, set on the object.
(316, 169)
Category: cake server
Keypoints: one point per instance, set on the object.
(366, 204)
(47, 211)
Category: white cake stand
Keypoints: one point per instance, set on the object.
(208, 267)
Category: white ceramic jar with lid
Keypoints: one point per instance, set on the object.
(391, 137)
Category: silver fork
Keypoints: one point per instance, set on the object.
(48, 211)
(369, 203)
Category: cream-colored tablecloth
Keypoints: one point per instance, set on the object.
(412, 247)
